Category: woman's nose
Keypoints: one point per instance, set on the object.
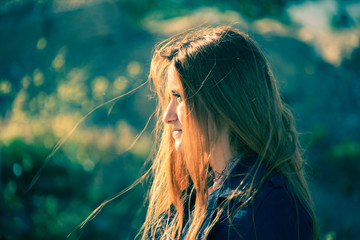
(170, 114)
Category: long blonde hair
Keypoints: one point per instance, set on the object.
(226, 82)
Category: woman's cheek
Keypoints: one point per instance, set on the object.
(180, 110)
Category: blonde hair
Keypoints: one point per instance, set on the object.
(226, 82)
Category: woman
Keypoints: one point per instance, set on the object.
(228, 162)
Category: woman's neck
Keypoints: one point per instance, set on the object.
(221, 154)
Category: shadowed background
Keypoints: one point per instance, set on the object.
(61, 59)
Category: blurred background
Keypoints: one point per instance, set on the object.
(60, 59)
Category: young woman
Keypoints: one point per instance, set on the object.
(228, 163)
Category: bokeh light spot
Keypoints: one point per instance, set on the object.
(5, 87)
(59, 60)
(76, 75)
(62, 124)
(17, 169)
(88, 165)
(41, 44)
(330, 236)
(25, 81)
(120, 83)
(33, 105)
(72, 91)
(134, 68)
(99, 86)
(18, 113)
(38, 77)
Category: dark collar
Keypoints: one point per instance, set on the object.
(242, 174)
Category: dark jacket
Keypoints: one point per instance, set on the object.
(275, 212)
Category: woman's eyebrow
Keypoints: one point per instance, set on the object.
(174, 91)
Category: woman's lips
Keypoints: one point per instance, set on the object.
(176, 132)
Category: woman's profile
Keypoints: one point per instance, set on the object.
(227, 163)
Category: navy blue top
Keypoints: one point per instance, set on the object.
(275, 212)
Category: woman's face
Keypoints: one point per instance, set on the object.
(174, 113)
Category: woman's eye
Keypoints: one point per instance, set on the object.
(178, 98)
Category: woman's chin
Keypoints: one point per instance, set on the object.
(178, 146)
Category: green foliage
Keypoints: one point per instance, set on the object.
(346, 150)
(345, 156)
(40, 106)
(66, 176)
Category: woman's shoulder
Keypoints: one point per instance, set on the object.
(275, 187)
(275, 213)
(279, 213)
